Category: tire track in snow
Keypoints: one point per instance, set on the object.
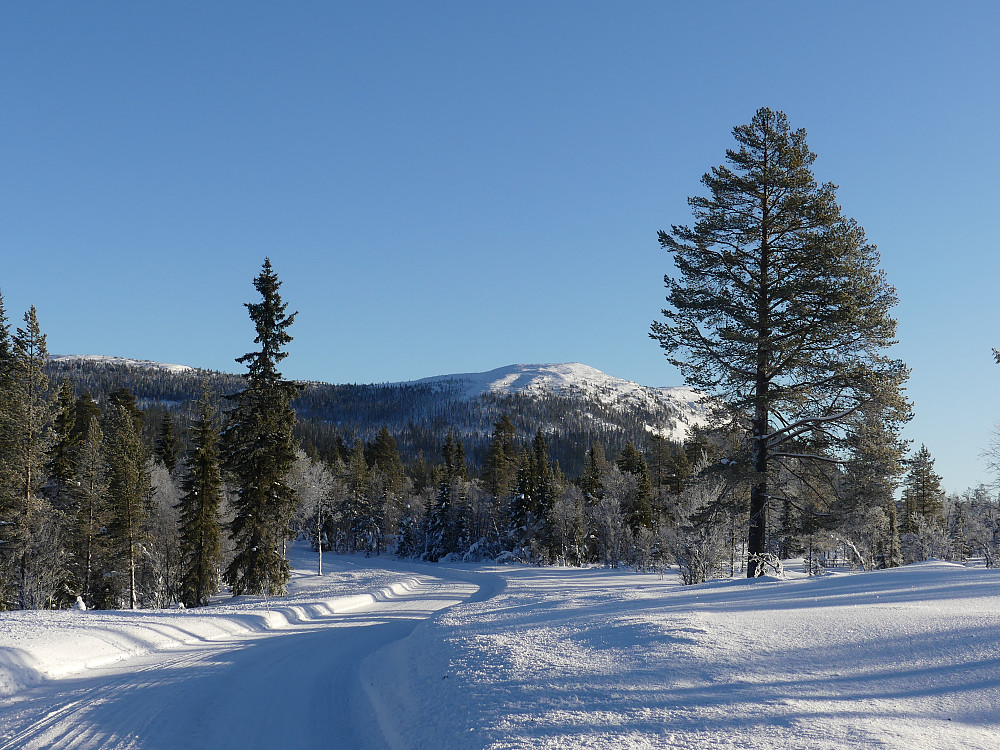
(296, 687)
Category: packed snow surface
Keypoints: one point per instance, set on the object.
(125, 361)
(385, 654)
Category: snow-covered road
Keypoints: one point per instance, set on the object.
(297, 687)
(374, 655)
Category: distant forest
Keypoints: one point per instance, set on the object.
(330, 418)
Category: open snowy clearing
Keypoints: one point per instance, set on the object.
(240, 674)
(908, 658)
(386, 654)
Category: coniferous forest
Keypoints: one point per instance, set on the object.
(125, 486)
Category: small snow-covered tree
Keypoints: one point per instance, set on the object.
(162, 560)
(568, 522)
(129, 491)
(923, 498)
(608, 516)
(701, 543)
(314, 487)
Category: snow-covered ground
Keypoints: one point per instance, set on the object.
(380, 653)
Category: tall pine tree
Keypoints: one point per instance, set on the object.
(8, 494)
(923, 498)
(260, 451)
(90, 539)
(167, 447)
(500, 469)
(779, 308)
(30, 436)
(200, 525)
(61, 461)
(129, 493)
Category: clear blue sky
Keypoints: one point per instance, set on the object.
(457, 186)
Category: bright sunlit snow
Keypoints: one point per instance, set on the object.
(575, 380)
(123, 361)
(380, 653)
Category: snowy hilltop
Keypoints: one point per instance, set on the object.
(584, 384)
(104, 359)
(572, 404)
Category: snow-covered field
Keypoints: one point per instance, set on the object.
(380, 653)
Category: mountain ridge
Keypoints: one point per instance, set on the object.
(573, 404)
(577, 381)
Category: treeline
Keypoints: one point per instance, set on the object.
(84, 510)
(417, 415)
(116, 505)
(114, 499)
(123, 506)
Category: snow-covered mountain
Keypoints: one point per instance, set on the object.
(573, 404)
(685, 406)
(121, 361)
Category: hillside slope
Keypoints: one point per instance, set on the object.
(573, 404)
(684, 407)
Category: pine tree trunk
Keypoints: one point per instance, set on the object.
(757, 538)
(90, 553)
(319, 534)
(131, 567)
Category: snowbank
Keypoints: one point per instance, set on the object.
(38, 645)
(593, 658)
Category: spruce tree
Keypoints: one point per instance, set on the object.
(639, 511)
(892, 556)
(92, 516)
(533, 497)
(167, 446)
(260, 451)
(6, 368)
(500, 470)
(360, 512)
(62, 461)
(29, 439)
(543, 477)
(32, 407)
(129, 493)
(779, 308)
(869, 479)
(8, 484)
(595, 471)
(200, 524)
(923, 498)
(5, 345)
(444, 519)
(383, 454)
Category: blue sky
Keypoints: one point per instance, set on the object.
(456, 186)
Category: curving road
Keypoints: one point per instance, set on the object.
(297, 688)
